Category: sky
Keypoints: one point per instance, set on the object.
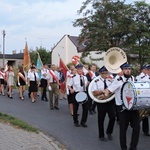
(39, 22)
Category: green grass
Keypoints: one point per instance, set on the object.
(17, 123)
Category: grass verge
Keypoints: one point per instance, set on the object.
(17, 123)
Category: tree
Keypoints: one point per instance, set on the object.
(44, 54)
(110, 23)
(105, 25)
(140, 35)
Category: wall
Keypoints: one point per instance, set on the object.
(66, 49)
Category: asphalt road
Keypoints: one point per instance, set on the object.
(59, 124)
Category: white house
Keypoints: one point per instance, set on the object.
(69, 46)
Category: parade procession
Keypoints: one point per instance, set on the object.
(75, 75)
(110, 90)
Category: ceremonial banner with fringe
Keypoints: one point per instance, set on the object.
(26, 58)
(39, 65)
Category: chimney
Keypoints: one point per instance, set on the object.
(14, 51)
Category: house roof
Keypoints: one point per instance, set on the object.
(12, 56)
(75, 41)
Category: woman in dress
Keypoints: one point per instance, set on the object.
(21, 82)
(33, 82)
(10, 81)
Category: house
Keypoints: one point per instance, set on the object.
(69, 46)
(15, 59)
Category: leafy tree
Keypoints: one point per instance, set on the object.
(105, 25)
(44, 54)
(111, 23)
(140, 35)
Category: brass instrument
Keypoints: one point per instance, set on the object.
(99, 98)
(144, 113)
(113, 59)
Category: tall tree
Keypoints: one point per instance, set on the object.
(105, 25)
(110, 23)
(140, 35)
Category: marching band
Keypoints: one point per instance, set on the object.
(77, 90)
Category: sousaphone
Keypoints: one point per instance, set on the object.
(113, 59)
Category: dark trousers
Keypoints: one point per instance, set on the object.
(145, 125)
(126, 117)
(44, 86)
(104, 108)
(75, 110)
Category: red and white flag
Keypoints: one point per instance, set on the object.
(63, 69)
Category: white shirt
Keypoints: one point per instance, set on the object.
(142, 77)
(44, 71)
(50, 78)
(116, 87)
(75, 82)
(32, 77)
(99, 84)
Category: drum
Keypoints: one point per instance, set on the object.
(81, 97)
(136, 95)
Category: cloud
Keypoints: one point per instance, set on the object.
(41, 22)
(37, 19)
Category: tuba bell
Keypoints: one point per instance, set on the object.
(113, 59)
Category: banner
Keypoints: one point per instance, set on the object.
(39, 65)
(63, 69)
(26, 58)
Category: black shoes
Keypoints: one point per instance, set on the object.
(90, 112)
(29, 95)
(103, 139)
(56, 108)
(146, 134)
(46, 100)
(76, 125)
(83, 125)
(52, 108)
(109, 136)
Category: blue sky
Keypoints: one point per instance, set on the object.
(41, 22)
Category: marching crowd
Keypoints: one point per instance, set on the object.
(77, 80)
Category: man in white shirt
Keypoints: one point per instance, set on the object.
(126, 117)
(143, 76)
(53, 81)
(76, 84)
(98, 88)
(92, 73)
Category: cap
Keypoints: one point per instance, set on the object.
(148, 66)
(79, 66)
(102, 69)
(126, 65)
(145, 67)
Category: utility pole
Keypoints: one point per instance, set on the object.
(4, 47)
